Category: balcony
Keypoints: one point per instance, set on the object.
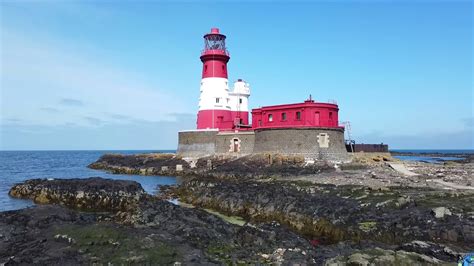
(215, 52)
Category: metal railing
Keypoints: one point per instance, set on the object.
(216, 52)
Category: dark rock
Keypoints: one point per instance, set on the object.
(92, 194)
(251, 166)
(140, 164)
(431, 249)
(330, 213)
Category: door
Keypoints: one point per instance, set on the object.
(236, 145)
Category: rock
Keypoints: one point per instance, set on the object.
(358, 259)
(92, 194)
(438, 251)
(384, 260)
(380, 256)
(383, 203)
(142, 164)
(256, 165)
(440, 212)
(350, 213)
(404, 201)
(161, 233)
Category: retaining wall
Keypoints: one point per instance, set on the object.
(317, 143)
(197, 143)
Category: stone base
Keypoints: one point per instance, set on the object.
(314, 143)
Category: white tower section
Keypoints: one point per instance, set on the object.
(214, 94)
(239, 97)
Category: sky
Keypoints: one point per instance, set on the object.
(102, 75)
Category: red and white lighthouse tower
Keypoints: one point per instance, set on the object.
(219, 108)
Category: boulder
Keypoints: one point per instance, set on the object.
(440, 212)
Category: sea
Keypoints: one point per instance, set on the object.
(17, 166)
(429, 156)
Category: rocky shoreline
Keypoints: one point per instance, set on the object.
(294, 211)
(150, 231)
(371, 170)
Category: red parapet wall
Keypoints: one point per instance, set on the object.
(306, 114)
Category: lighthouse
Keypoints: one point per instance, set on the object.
(310, 128)
(220, 108)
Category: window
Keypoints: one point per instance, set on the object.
(270, 118)
(205, 68)
(298, 115)
(283, 116)
(240, 100)
(330, 115)
(259, 123)
(217, 100)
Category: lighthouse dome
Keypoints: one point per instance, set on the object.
(241, 87)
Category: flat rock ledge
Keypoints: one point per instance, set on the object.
(89, 194)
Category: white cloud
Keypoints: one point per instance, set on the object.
(38, 71)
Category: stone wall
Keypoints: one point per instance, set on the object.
(316, 143)
(244, 143)
(197, 143)
(369, 147)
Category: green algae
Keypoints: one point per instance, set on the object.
(106, 244)
(367, 226)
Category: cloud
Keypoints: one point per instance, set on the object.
(43, 67)
(49, 109)
(119, 116)
(468, 122)
(94, 120)
(179, 116)
(13, 120)
(71, 102)
(135, 135)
